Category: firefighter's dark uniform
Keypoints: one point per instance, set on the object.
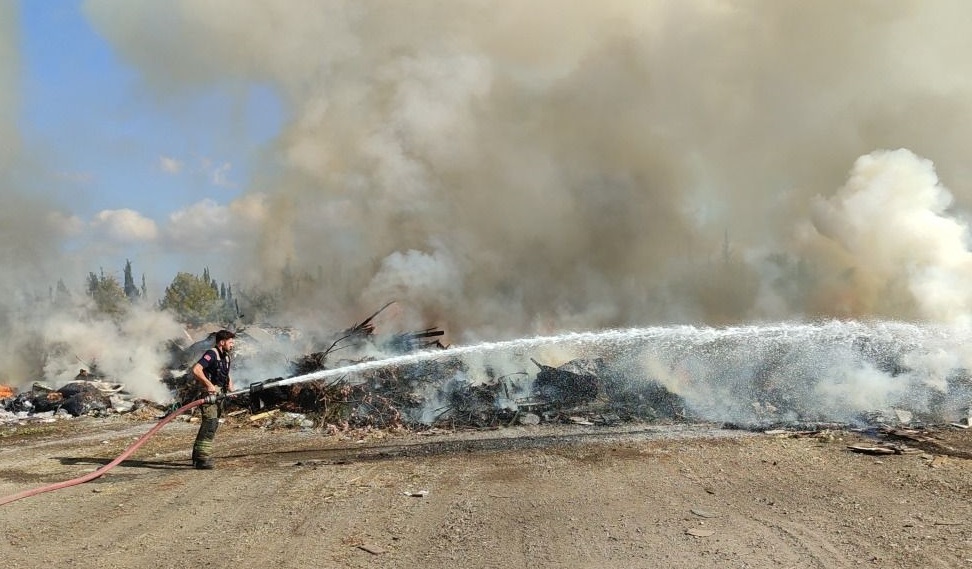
(216, 366)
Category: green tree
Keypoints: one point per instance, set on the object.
(131, 291)
(108, 295)
(191, 298)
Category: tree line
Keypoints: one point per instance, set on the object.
(192, 299)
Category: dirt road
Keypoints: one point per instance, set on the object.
(641, 496)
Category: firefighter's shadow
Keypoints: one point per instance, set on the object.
(154, 464)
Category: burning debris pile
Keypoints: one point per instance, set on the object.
(440, 392)
(444, 390)
(424, 391)
(436, 390)
(86, 395)
(758, 378)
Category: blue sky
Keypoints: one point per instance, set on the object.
(108, 143)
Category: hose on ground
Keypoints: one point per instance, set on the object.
(91, 476)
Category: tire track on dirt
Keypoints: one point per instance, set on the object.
(807, 544)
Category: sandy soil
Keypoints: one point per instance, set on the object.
(580, 496)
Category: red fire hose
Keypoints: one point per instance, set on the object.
(128, 452)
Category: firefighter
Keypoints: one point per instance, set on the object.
(212, 371)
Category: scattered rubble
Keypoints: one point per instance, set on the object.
(440, 392)
(883, 440)
(74, 399)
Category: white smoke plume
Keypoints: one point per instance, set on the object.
(892, 221)
(130, 352)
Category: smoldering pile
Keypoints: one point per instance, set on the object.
(432, 391)
(790, 376)
(89, 394)
(443, 393)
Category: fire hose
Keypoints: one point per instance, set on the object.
(128, 452)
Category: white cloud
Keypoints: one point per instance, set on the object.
(170, 165)
(124, 225)
(208, 225)
(218, 173)
(220, 176)
(202, 225)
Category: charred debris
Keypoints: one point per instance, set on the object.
(88, 394)
(428, 393)
(445, 392)
(442, 391)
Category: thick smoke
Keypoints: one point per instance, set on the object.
(505, 168)
(891, 223)
(502, 168)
